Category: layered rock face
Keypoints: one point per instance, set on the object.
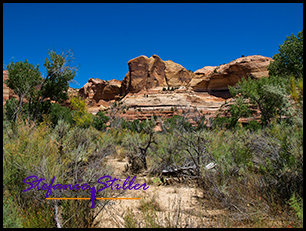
(220, 77)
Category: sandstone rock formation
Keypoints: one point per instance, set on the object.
(142, 95)
(146, 73)
(220, 77)
(99, 91)
(177, 75)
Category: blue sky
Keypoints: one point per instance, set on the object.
(104, 37)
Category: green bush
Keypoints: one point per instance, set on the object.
(81, 116)
(253, 125)
(178, 122)
(269, 94)
(100, 120)
(220, 122)
(136, 125)
(296, 203)
(58, 112)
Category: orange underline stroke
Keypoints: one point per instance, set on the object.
(81, 198)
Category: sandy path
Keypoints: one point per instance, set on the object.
(178, 205)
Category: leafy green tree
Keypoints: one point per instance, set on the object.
(289, 61)
(268, 93)
(22, 79)
(56, 84)
(26, 81)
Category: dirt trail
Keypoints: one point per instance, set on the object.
(177, 205)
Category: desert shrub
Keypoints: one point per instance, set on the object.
(168, 154)
(253, 125)
(138, 146)
(58, 112)
(265, 164)
(280, 153)
(230, 183)
(81, 116)
(99, 121)
(22, 152)
(177, 122)
(69, 154)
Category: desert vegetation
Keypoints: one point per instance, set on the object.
(253, 173)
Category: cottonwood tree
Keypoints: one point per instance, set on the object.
(56, 84)
(22, 79)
